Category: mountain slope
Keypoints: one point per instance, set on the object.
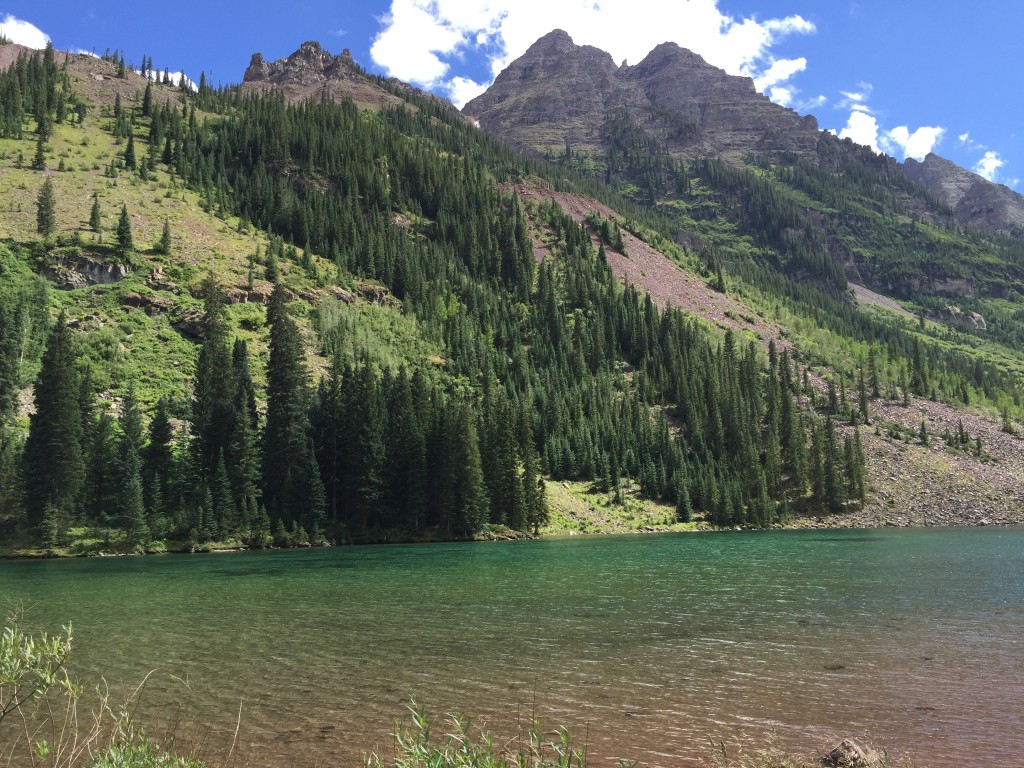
(377, 323)
(978, 202)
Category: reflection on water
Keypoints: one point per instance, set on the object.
(646, 646)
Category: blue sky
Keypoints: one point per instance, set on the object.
(905, 77)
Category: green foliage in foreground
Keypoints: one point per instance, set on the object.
(40, 719)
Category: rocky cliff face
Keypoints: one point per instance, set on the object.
(559, 92)
(975, 201)
(311, 70)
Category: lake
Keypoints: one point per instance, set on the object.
(645, 646)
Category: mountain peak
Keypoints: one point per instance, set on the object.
(556, 37)
(976, 201)
(309, 64)
(560, 93)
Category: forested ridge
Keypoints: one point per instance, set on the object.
(495, 371)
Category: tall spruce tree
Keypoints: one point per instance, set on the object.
(46, 209)
(285, 437)
(123, 244)
(213, 406)
(95, 216)
(54, 459)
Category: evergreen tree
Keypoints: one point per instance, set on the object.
(95, 221)
(285, 437)
(158, 458)
(213, 406)
(147, 98)
(129, 154)
(46, 210)
(54, 462)
(873, 380)
(163, 245)
(123, 244)
(470, 508)
(39, 159)
(131, 499)
(99, 491)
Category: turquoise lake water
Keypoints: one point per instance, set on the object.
(645, 646)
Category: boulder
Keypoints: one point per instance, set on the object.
(191, 322)
(151, 305)
(849, 754)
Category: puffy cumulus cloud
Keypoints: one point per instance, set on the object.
(462, 89)
(23, 32)
(413, 42)
(916, 144)
(863, 127)
(427, 41)
(782, 94)
(989, 165)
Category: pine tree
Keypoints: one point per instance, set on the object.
(470, 494)
(129, 154)
(163, 245)
(95, 221)
(285, 437)
(46, 210)
(158, 457)
(54, 462)
(213, 406)
(862, 397)
(147, 98)
(99, 491)
(123, 234)
(39, 159)
(133, 512)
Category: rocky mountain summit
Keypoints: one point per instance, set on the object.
(976, 201)
(559, 93)
(311, 71)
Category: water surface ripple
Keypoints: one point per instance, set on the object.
(644, 645)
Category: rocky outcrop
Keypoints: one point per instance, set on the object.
(559, 93)
(309, 65)
(311, 71)
(151, 304)
(972, 321)
(191, 322)
(975, 201)
(849, 754)
(68, 274)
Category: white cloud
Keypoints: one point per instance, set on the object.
(424, 41)
(964, 138)
(989, 165)
(916, 144)
(856, 99)
(462, 89)
(23, 32)
(779, 71)
(861, 128)
(783, 95)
